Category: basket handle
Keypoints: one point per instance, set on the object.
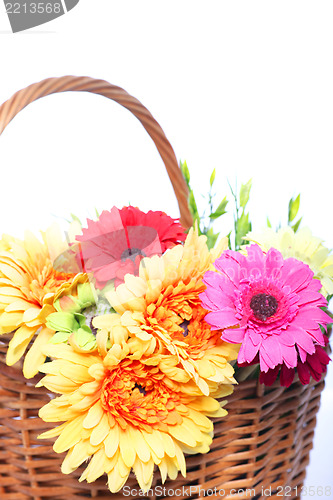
(49, 86)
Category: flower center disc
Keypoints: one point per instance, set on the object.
(263, 306)
(132, 253)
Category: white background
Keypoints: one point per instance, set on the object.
(243, 86)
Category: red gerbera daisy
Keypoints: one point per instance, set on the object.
(313, 366)
(114, 245)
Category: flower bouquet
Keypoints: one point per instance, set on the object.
(127, 336)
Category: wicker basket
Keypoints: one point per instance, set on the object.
(260, 449)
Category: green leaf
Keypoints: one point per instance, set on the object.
(86, 295)
(220, 209)
(97, 213)
(293, 208)
(75, 217)
(229, 240)
(61, 321)
(244, 193)
(80, 320)
(211, 238)
(185, 172)
(296, 226)
(193, 205)
(84, 339)
(268, 222)
(59, 337)
(212, 177)
(216, 215)
(243, 226)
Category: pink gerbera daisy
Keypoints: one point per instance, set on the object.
(271, 306)
(114, 245)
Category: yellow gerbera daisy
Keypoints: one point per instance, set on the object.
(161, 311)
(302, 246)
(121, 414)
(28, 287)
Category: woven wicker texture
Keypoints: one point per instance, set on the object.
(264, 442)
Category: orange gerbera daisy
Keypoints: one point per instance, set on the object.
(162, 313)
(121, 413)
(28, 287)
